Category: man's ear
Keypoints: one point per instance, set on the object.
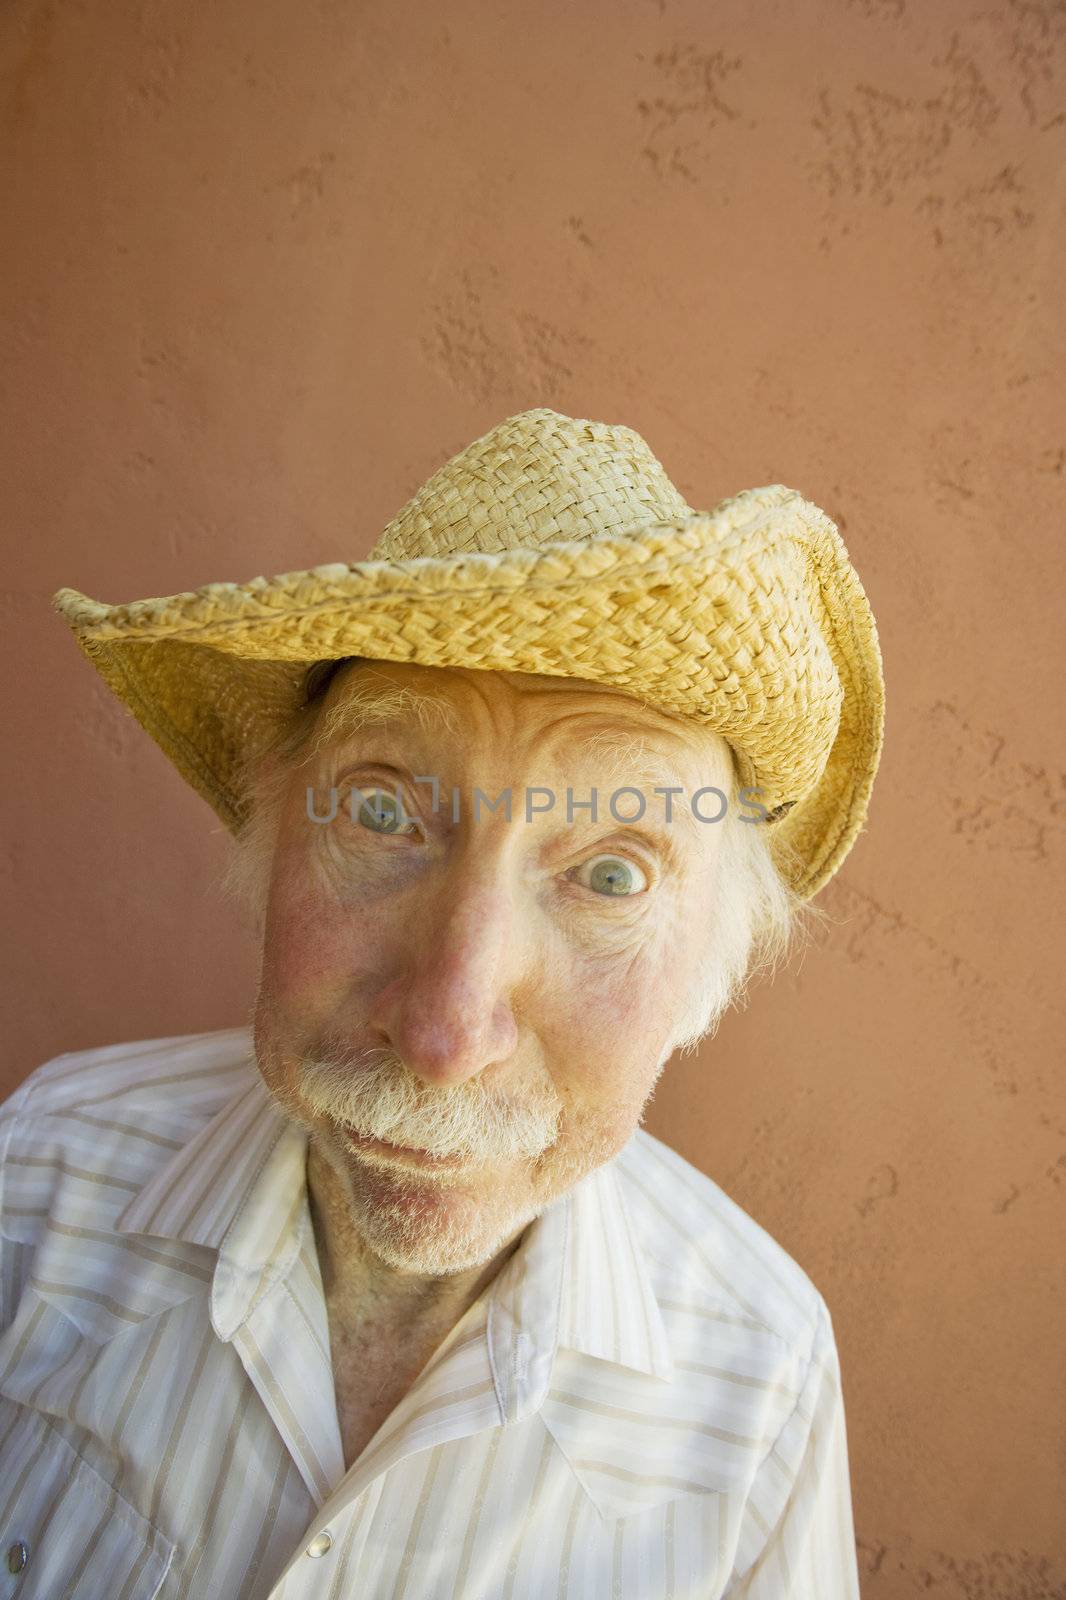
(247, 877)
(269, 767)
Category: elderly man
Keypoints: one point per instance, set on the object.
(389, 1294)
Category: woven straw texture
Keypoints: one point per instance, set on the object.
(550, 545)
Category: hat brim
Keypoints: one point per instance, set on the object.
(749, 619)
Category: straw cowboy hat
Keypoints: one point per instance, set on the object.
(550, 545)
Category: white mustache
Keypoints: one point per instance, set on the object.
(371, 1092)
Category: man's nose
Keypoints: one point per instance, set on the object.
(446, 1009)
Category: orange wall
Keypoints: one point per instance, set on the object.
(268, 264)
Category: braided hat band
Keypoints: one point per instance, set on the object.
(558, 546)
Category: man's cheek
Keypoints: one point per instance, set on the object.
(305, 976)
(619, 1006)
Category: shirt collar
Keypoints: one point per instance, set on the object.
(211, 1181)
(578, 1279)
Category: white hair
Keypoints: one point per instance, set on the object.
(758, 918)
(758, 921)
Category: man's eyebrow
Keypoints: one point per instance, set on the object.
(639, 769)
(633, 761)
(372, 706)
(653, 820)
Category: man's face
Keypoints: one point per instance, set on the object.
(501, 994)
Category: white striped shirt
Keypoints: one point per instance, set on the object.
(644, 1402)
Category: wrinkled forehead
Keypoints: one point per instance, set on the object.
(591, 718)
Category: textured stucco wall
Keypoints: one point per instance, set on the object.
(267, 265)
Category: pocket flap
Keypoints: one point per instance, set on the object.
(77, 1536)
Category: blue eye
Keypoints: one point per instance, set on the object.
(381, 813)
(610, 875)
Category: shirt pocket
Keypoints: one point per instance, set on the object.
(71, 1534)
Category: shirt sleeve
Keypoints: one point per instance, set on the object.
(10, 1111)
(797, 1538)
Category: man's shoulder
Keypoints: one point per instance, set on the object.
(188, 1071)
(95, 1124)
(707, 1255)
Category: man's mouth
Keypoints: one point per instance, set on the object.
(401, 1152)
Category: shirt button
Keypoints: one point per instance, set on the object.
(17, 1555)
(320, 1543)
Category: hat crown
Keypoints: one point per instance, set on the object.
(536, 479)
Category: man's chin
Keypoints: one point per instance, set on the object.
(412, 1190)
(424, 1226)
